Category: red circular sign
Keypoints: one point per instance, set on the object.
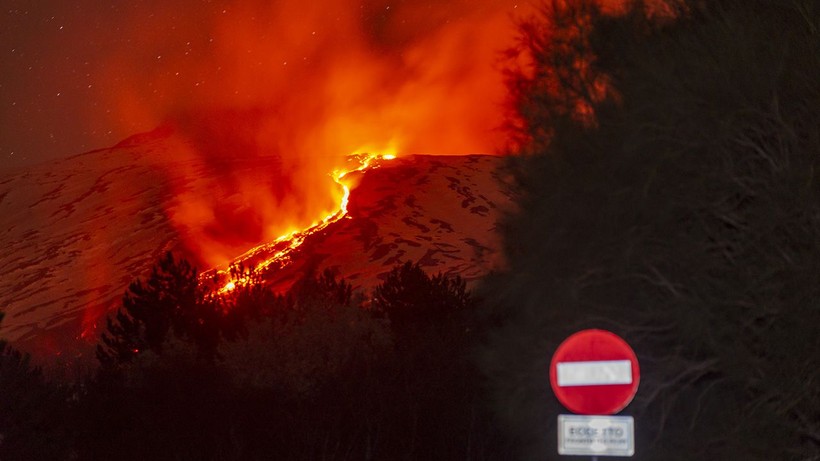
(594, 372)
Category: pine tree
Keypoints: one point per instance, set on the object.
(413, 300)
(169, 302)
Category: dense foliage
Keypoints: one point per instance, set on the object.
(30, 408)
(675, 201)
(321, 372)
(172, 304)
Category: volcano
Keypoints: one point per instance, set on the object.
(76, 232)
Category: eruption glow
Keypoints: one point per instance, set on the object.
(308, 84)
(304, 84)
(279, 250)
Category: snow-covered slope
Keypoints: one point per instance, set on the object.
(440, 211)
(74, 233)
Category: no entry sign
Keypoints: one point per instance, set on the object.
(594, 372)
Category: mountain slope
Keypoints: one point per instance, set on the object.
(439, 211)
(74, 233)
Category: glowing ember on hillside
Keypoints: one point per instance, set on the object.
(279, 250)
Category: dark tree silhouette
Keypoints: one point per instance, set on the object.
(324, 287)
(552, 78)
(313, 375)
(34, 413)
(169, 302)
(434, 403)
(413, 300)
(686, 218)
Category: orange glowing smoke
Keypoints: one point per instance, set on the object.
(241, 82)
(308, 83)
(280, 249)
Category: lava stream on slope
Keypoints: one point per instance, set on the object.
(277, 254)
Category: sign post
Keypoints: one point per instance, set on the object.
(595, 374)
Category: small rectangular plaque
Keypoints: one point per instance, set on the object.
(596, 435)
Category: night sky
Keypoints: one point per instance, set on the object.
(85, 74)
(52, 53)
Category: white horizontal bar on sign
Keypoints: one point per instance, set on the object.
(594, 373)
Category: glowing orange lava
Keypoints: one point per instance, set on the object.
(279, 250)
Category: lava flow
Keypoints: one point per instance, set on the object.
(278, 251)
